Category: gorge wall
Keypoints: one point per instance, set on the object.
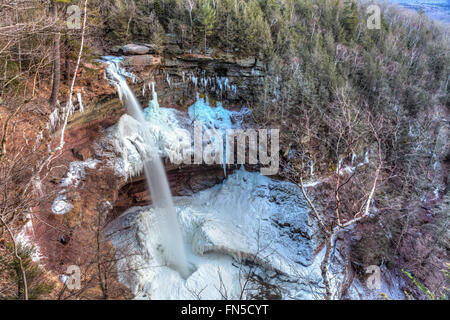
(91, 178)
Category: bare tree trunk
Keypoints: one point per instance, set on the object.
(69, 101)
(192, 29)
(329, 244)
(55, 151)
(66, 60)
(331, 233)
(4, 138)
(56, 60)
(19, 45)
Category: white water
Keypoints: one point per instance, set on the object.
(167, 226)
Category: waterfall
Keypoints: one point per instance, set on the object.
(170, 237)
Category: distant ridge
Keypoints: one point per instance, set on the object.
(434, 9)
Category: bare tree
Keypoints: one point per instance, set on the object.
(23, 168)
(353, 189)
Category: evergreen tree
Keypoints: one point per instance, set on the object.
(226, 29)
(257, 32)
(350, 19)
(207, 18)
(38, 285)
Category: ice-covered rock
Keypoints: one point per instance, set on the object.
(249, 219)
(171, 129)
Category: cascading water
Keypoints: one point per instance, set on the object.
(170, 237)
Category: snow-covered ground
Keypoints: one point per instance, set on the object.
(247, 220)
(26, 238)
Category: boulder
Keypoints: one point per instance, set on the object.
(150, 46)
(134, 49)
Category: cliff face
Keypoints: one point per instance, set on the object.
(83, 182)
(89, 186)
(183, 181)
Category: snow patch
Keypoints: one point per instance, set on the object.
(26, 238)
(76, 173)
(80, 102)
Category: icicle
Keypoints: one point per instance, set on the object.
(39, 138)
(219, 83)
(80, 102)
(194, 80)
(53, 120)
(168, 78)
(436, 162)
(366, 157)
(119, 92)
(70, 109)
(37, 185)
(154, 105)
(338, 168)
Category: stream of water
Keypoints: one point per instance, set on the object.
(170, 239)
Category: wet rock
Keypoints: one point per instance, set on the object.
(182, 181)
